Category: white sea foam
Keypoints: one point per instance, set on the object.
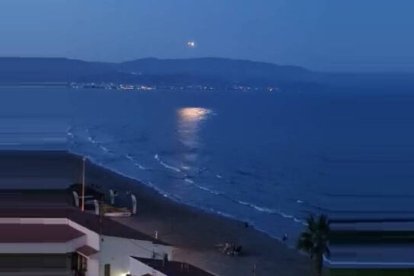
(270, 211)
(165, 165)
(258, 208)
(150, 184)
(90, 139)
(105, 149)
(194, 183)
(211, 191)
(286, 215)
(132, 159)
(140, 166)
(168, 195)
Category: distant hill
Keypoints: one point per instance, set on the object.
(200, 71)
(236, 71)
(213, 72)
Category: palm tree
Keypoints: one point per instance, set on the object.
(314, 240)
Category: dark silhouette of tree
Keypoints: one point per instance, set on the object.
(315, 240)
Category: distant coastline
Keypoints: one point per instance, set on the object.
(150, 73)
(197, 74)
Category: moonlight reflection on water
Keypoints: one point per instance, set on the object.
(189, 122)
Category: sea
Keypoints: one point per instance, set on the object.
(268, 159)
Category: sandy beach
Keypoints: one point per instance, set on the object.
(195, 232)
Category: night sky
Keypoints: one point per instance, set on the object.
(351, 35)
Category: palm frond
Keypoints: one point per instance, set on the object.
(315, 239)
(305, 241)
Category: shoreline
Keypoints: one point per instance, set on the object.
(193, 231)
(177, 201)
(197, 231)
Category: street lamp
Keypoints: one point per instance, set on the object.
(83, 184)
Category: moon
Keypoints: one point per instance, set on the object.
(191, 44)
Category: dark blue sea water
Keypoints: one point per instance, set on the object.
(269, 159)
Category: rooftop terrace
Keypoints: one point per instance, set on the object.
(172, 268)
(57, 204)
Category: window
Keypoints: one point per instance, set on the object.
(107, 270)
(79, 263)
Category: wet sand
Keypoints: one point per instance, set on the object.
(194, 232)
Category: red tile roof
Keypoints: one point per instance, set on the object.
(101, 225)
(57, 204)
(37, 233)
(86, 251)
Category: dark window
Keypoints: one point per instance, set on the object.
(107, 270)
(79, 263)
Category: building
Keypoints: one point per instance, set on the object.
(40, 235)
(149, 266)
(42, 232)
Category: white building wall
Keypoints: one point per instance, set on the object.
(138, 269)
(93, 265)
(50, 221)
(112, 250)
(116, 251)
(33, 248)
(42, 248)
(92, 238)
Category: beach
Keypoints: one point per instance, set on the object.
(194, 232)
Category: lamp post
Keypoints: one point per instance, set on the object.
(83, 184)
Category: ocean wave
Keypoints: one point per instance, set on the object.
(165, 165)
(258, 208)
(110, 168)
(161, 192)
(223, 214)
(92, 140)
(140, 166)
(255, 207)
(248, 204)
(129, 157)
(132, 159)
(211, 191)
(81, 135)
(270, 211)
(105, 149)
